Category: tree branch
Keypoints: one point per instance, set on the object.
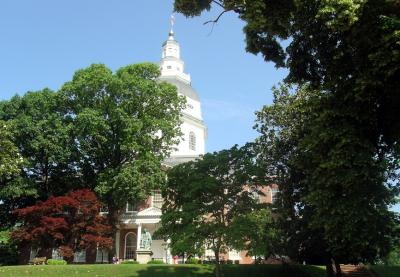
(216, 20)
(218, 3)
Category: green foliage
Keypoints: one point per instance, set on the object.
(129, 262)
(204, 197)
(10, 159)
(8, 249)
(125, 125)
(393, 258)
(155, 262)
(43, 138)
(56, 262)
(5, 236)
(328, 208)
(193, 261)
(255, 232)
(385, 271)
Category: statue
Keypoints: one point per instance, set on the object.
(145, 240)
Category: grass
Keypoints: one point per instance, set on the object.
(386, 271)
(128, 270)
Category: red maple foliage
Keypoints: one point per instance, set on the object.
(69, 223)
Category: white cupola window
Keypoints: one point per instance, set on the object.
(192, 141)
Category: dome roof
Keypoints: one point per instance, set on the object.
(183, 87)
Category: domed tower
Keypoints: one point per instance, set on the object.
(193, 128)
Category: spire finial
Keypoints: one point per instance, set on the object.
(171, 32)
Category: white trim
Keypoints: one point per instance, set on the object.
(139, 236)
(117, 242)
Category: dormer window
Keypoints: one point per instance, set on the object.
(192, 141)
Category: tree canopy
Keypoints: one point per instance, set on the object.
(207, 199)
(335, 190)
(125, 124)
(69, 223)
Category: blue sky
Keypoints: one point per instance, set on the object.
(43, 42)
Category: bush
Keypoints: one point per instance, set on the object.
(129, 262)
(193, 261)
(8, 249)
(56, 262)
(155, 262)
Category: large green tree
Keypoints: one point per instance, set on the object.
(124, 125)
(43, 139)
(335, 189)
(206, 199)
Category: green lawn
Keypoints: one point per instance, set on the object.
(160, 271)
(386, 271)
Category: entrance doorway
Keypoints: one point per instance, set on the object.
(130, 246)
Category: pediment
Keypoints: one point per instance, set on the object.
(152, 211)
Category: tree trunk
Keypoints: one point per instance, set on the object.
(217, 264)
(113, 216)
(329, 268)
(337, 268)
(333, 268)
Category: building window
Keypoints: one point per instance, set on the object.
(169, 67)
(130, 207)
(157, 199)
(55, 254)
(101, 255)
(274, 195)
(80, 256)
(192, 141)
(130, 246)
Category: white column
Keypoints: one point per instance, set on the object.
(169, 256)
(117, 242)
(139, 234)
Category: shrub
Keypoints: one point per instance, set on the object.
(8, 249)
(56, 262)
(193, 261)
(155, 262)
(129, 262)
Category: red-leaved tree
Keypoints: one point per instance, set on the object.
(69, 223)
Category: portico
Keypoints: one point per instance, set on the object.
(129, 236)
